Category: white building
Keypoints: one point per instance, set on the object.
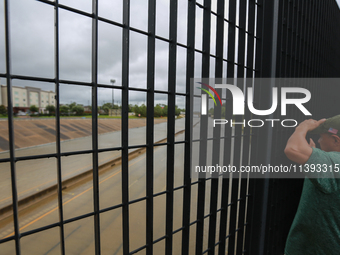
(27, 96)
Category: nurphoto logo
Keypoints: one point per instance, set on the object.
(239, 104)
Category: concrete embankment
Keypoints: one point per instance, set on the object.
(38, 131)
(37, 179)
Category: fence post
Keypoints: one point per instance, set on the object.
(266, 63)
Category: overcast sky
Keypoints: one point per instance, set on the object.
(32, 47)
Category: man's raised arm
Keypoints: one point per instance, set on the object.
(297, 148)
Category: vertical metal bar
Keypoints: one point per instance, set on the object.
(311, 38)
(11, 130)
(330, 28)
(252, 228)
(324, 47)
(217, 130)
(95, 125)
(330, 54)
(225, 182)
(268, 69)
(304, 60)
(203, 129)
(246, 130)
(125, 124)
(295, 37)
(241, 38)
(321, 47)
(300, 37)
(244, 183)
(316, 20)
(308, 38)
(57, 116)
(150, 126)
(228, 131)
(294, 31)
(231, 39)
(190, 70)
(318, 66)
(224, 220)
(284, 39)
(289, 38)
(171, 126)
(304, 39)
(235, 202)
(335, 26)
(274, 239)
(311, 53)
(251, 39)
(235, 185)
(318, 37)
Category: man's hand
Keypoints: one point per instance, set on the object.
(309, 125)
(297, 148)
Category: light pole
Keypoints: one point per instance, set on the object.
(113, 100)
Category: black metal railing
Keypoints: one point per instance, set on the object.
(253, 39)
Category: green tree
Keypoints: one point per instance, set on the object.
(3, 110)
(177, 111)
(78, 109)
(158, 111)
(64, 109)
(164, 110)
(50, 109)
(33, 108)
(136, 109)
(71, 106)
(143, 110)
(106, 107)
(140, 110)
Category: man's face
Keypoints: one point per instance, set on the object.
(326, 142)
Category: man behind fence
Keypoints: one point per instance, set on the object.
(316, 226)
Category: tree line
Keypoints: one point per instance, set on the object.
(160, 110)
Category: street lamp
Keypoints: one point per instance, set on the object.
(113, 100)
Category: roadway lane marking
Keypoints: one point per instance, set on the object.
(133, 183)
(69, 193)
(54, 209)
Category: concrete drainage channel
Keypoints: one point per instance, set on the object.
(32, 199)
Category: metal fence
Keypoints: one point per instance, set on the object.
(305, 39)
(245, 39)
